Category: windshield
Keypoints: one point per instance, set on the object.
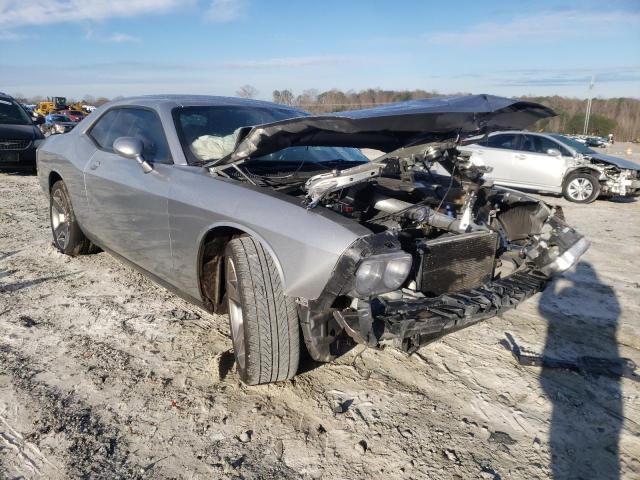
(12, 114)
(210, 133)
(577, 146)
(60, 118)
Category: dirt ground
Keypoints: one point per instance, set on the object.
(104, 374)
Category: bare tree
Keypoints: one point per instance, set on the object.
(283, 96)
(247, 91)
(19, 97)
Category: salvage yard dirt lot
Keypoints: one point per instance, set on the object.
(105, 374)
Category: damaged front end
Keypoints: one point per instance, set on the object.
(446, 251)
(615, 180)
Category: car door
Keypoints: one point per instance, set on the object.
(129, 208)
(498, 153)
(536, 167)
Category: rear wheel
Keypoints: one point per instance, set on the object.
(67, 235)
(581, 187)
(263, 321)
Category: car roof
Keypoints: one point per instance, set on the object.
(197, 100)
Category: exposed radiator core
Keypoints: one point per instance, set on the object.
(458, 262)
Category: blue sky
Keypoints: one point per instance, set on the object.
(131, 47)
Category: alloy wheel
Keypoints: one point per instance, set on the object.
(580, 188)
(60, 219)
(236, 318)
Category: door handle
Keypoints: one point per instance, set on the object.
(94, 165)
(521, 157)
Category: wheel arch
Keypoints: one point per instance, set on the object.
(582, 169)
(54, 177)
(210, 265)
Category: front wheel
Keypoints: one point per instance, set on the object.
(263, 321)
(581, 187)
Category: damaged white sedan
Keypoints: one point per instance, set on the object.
(556, 164)
(275, 217)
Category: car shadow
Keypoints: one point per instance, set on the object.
(582, 319)
(16, 286)
(622, 199)
(19, 173)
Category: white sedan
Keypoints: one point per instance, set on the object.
(554, 163)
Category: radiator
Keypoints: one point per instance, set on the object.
(458, 262)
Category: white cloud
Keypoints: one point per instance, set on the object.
(223, 11)
(8, 35)
(118, 37)
(284, 62)
(20, 13)
(542, 27)
(115, 37)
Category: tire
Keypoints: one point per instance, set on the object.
(67, 235)
(263, 321)
(581, 187)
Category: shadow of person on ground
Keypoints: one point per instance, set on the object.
(582, 315)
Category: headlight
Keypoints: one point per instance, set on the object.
(382, 273)
(59, 128)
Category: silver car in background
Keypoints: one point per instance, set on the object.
(275, 217)
(556, 164)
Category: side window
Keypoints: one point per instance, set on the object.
(508, 141)
(563, 150)
(133, 122)
(100, 131)
(537, 144)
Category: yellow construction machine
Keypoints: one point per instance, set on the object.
(52, 105)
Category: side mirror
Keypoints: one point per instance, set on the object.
(554, 152)
(38, 120)
(131, 147)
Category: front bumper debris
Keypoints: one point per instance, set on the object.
(622, 186)
(409, 323)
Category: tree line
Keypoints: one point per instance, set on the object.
(620, 116)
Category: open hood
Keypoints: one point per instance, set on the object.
(389, 127)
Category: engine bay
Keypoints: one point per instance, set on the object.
(461, 231)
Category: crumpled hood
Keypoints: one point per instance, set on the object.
(617, 161)
(389, 127)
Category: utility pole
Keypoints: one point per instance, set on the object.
(588, 114)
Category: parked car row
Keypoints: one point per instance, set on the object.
(591, 141)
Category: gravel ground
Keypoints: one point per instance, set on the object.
(104, 374)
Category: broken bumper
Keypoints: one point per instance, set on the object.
(411, 322)
(623, 186)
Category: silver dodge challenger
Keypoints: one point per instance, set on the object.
(275, 217)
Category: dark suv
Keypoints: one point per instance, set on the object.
(19, 136)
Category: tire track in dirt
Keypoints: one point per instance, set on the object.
(95, 447)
